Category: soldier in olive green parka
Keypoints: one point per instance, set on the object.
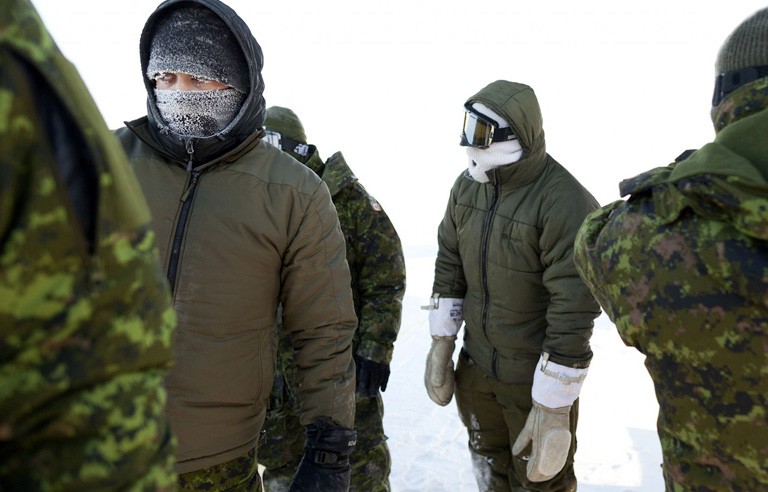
(85, 315)
(505, 268)
(681, 267)
(376, 262)
(242, 228)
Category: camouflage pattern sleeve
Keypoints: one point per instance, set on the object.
(85, 321)
(588, 262)
(687, 289)
(377, 265)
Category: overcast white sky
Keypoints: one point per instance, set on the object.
(623, 86)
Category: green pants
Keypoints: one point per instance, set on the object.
(494, 414)
(238, 475)
(283, 446)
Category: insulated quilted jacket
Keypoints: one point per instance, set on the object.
(506, 247)
(241, 228)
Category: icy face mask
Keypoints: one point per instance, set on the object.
(198, 113)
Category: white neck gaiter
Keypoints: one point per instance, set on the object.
(198, 113)
(497, 154)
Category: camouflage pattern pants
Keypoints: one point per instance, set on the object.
(283, 447)
(494, 413)
(237, 475)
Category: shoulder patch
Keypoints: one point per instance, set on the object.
(374, 204)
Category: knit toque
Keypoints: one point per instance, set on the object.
(196, 41)
(746, 46)
(286, 123)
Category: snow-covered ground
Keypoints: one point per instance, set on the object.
(618, 449)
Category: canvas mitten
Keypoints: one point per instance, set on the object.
(439, 378)
(547, 429)
(325, 464)
(446, 315)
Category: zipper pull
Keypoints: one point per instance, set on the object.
(190, 151)
(192, 183)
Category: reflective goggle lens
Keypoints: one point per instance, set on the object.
(477, 132)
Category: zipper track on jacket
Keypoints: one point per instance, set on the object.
(178, 235)
(484, 265)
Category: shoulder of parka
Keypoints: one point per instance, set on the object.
(561, 187)
(275, 167)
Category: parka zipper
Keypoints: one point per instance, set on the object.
(186, 203)
(484, 265)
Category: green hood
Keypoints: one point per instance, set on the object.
(518, 105)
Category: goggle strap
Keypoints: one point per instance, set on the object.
(287, 143)
(727, 82)
(503, 134)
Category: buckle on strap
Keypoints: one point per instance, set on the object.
(434, 303)
(322, 457)
(558, 376)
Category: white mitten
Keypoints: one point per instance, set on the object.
(438, 377)
(555, 388)
(446, 315)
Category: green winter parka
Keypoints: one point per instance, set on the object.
(85, 313)
(243, 227)
(681, 267)
(506, 248)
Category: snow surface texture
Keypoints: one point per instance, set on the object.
(618, 448)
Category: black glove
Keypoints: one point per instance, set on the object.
(371, 376)
(325, 464)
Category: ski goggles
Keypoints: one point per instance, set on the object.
(481, 131)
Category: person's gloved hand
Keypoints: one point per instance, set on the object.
(439, 377)
(325, 464)
(446, 315)
(371, 376)
(547, 430)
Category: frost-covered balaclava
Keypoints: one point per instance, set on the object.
(497, 154)
(196, 41)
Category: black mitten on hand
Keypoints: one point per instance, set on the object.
(371, 376)
(325, 464)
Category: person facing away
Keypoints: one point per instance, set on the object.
(505, 269)
(85, 314)
(242, 227)
(377, 265)
(681, 268)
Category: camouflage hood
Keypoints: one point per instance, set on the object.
(724, 180)
(518, 105)
(251, 116)
(335, 172)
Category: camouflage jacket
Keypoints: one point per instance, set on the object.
(374, 255)
(681, 267)
(376, 263)
(506, 247)
(85, 315)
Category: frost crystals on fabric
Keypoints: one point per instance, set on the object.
(198, 113)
